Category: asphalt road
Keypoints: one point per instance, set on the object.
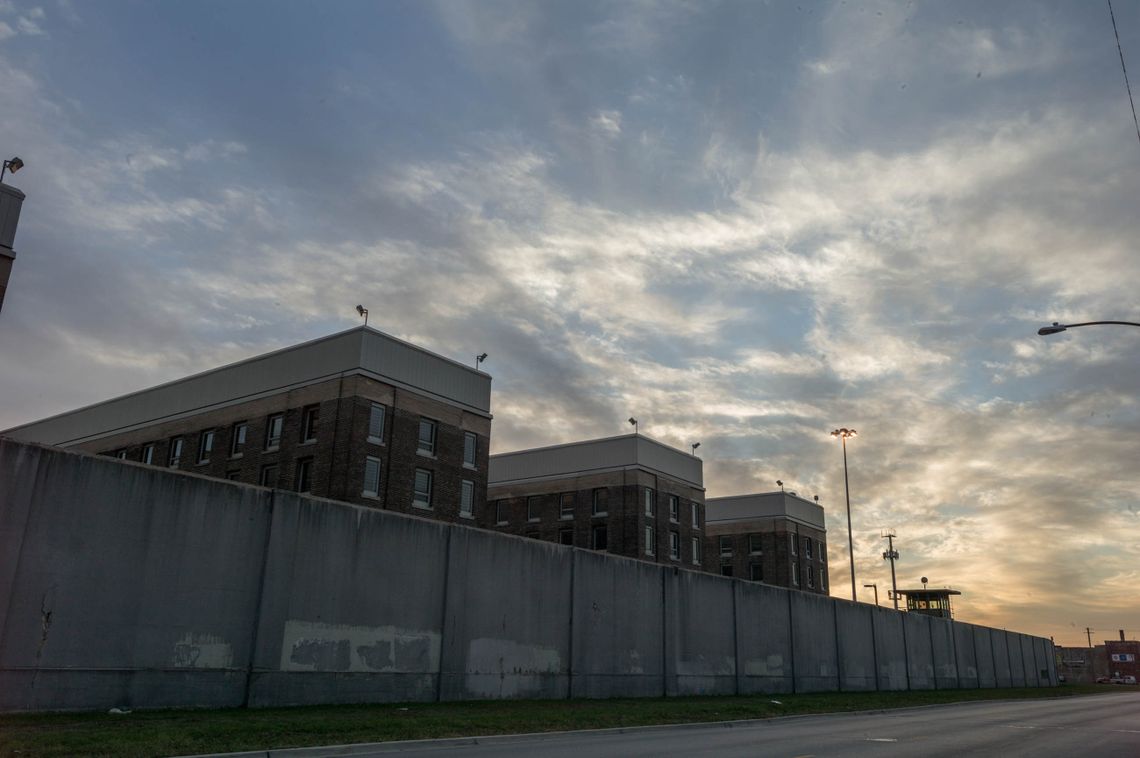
(1095, 725)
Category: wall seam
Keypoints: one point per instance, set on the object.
(254, 637)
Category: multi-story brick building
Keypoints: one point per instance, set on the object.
(628, 495)
(358, 416)
(773, 537)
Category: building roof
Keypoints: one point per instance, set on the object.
(595, 456)
(764, 505)
(362, 350)
(941, 592)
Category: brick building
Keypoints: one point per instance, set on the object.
(358, 416)
(773, 537)
(628, 495)
(1123, 657)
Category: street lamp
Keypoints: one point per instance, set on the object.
(13, 165)
(843, 434)
(479, 359)
(360, 309)
(1055, 328)
(875, 587)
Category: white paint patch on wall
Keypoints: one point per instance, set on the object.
(505, 668)
(317, 646)
(202, 651)
(772, 665)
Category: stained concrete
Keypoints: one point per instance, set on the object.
(856, 638)
(814, 645)
(919, 652)
(944, 650)
(890, 650)
(764, 639)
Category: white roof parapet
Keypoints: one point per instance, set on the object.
(361, 350)
(594, 456)
(723, 510)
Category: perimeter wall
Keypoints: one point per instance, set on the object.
(133, 586)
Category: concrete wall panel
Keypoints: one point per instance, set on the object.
(19, 465)
(965, 648)
(919, 652)
(984, 650)
(764, 642)
(945, 654)
(618, 646)
(506, 631)
(1032, 670)
(890, 649)
(814, 644)
(700, 634)
(856, 635)
(1002, 672)
(1016, 662)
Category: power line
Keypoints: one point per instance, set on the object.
(1123, 68)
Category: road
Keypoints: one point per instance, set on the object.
(1100, 725)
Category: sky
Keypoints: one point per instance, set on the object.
(745, 224)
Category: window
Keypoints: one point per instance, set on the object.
(674, 509)
(822, 553)
(696, 515)
(304, 474)
(421, 497)
(237, 438)
(268, 476)
(755, 544)
(310, 417)
(565, 536)
(175, 453)
(233, 475)
(427, 437)
(532, 508)
(795, 573)
(674, 546)
(205, 446)
(696, 551)
(273, 428)
(725, 546)
(598, 504)
(822, 580)
(650, 503)
(726, 569)
(792, 542)
(148, 453)
(376, 423)
(807, 548)
(566, 505)
(810, 577)
(467, 499)
(598, 537)
(371, 477)
(650, 540)
(756, 572)
(120, 454)
(470, 446)
(500, 512)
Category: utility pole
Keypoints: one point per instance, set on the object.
(1089, 633)
(892, 555)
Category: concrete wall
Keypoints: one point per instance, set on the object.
(128, 585)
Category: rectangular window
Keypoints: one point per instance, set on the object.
(376, 423)
(310, 417)
(650, 540)
(566, 505)
(467, 499)
(148, 453)
(650, 502)
(421, 498)
(565, 536)
(304, 475)
(205, 446)
(428, 430)
(822, 554)
(756, 572)
(121, 454)
(598, 504)
(807, 548)
(795, 573)
(674, 509)
(726, 569)
(598, 537)
(674, 546)
(696, 551)
(755, 546)
(822, 580)
(268, 476)
(274, 425)
(500, 512)
(470, 447)
(792, 542)
(371, 477)
(532, 508)
(696, 516)
(725, 546)
(237, 438)
(810, 577)
(175, 453)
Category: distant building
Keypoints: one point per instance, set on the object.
(929, 601)
(772, 537)
(628, 495)
(1082, 665)
(11, 200)
(1123, 657)
(358, 416)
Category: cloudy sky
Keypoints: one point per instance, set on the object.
(745, 224)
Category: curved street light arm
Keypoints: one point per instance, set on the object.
(1055, 328)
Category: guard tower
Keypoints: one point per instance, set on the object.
(929, 601)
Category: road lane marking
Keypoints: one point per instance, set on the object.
(880, 739)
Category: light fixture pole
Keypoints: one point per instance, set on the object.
(479, 359)
(1055, 328)
(363, 312)
(875, 587)
(633, 423)
(14, 164)
(695, 445)
(843, 434)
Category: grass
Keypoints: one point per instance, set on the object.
(165, 733)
